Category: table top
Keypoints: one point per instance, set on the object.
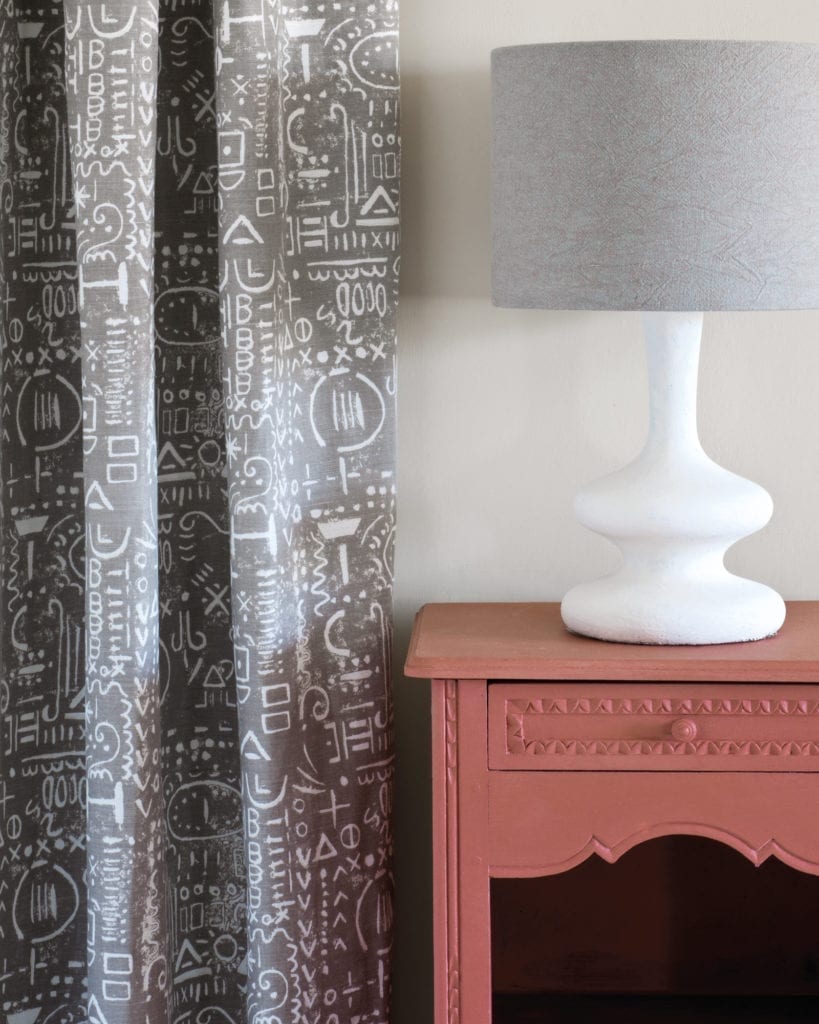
(529, 641)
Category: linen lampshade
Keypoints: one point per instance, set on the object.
(660, 175)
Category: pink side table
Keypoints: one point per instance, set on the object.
(549, 747)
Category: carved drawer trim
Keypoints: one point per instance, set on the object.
(653, 727)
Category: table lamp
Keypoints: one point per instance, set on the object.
(670, 177)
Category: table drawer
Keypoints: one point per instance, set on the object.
(653, 727)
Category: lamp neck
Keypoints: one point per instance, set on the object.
(672, 354)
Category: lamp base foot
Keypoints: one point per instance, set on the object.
(625, 609)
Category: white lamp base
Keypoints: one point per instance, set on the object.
(673, 513)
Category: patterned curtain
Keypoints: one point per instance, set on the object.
(198, 273)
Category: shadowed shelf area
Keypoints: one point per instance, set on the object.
(619, 1009)
(680, 929)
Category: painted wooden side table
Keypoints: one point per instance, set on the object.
(549, 747)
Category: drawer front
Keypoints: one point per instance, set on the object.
(653, 727)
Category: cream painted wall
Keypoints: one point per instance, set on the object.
(503, 413)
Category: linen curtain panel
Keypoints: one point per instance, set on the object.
(198, 272)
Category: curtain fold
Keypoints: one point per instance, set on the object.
(198, 283)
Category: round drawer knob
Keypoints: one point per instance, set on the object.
(684, 729)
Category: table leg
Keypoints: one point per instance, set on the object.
(463, 988)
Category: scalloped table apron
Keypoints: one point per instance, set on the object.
(198, 274)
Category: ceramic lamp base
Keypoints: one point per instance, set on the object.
(673, 513)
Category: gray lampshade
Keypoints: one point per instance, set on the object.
(673, 175)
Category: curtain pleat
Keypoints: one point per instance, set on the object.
(111, 65)
(198, 281)
(307, 387)
(43, 781)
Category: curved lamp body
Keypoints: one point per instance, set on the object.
(673, 513)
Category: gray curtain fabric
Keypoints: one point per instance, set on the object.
(198, 273)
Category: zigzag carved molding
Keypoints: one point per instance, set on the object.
(663, 706)
(518, 744)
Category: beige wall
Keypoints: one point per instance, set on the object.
(503, 413)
